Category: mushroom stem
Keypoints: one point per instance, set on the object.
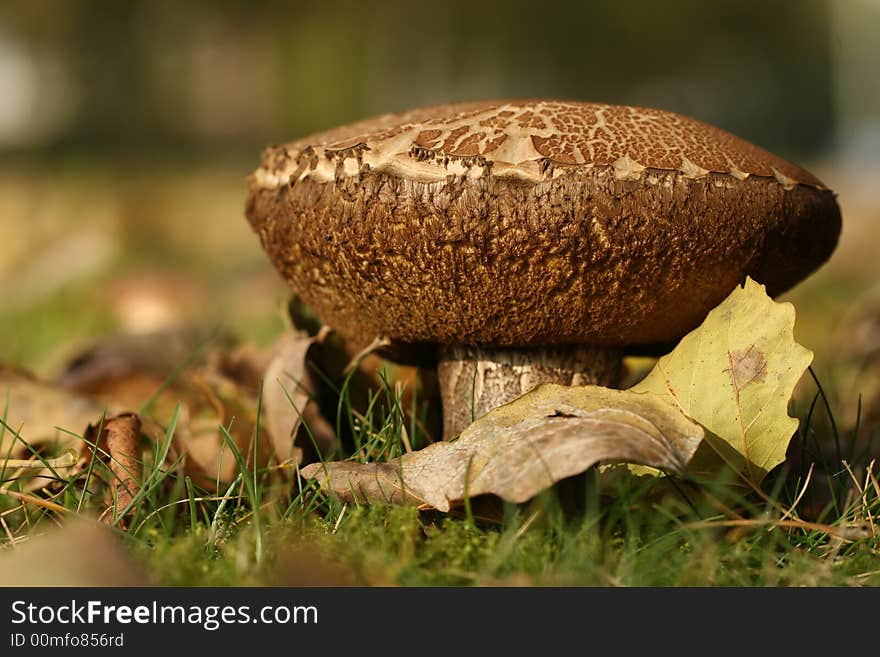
(474, 380)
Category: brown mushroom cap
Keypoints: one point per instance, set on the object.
(536, 222)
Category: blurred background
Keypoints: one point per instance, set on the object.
(127, 130)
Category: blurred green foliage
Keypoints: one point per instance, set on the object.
(199, 78)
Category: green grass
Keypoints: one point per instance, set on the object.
(591, 530)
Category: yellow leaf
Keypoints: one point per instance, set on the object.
(735, 374)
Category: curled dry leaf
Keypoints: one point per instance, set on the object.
(287, 390)
(735, 374)
(524, 447)
(117, 444)
(292, 391)
(122, 434)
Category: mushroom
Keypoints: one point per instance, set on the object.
(531, 241)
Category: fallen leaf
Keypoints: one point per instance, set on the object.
(524, 447)
(39, 413)
(292, 391)
(81, 553)
(157, 355)
(122, 432)
(735, 374)
(117, 446)
(38, 417)
(203, 377)
(215, 401)
(245, 364)
(287, 390)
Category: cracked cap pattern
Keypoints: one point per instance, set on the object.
(521, 138)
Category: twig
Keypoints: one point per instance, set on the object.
(66, 460)
(377, 343)
(30, 499)
(8, 533)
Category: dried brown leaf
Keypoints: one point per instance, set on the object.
(214, 401)
(122, 433)
(155, 355)
(40, 412)
(287, 389)
(40, 417)
(118, 446)
(81, 553)
(524, 447)
(204, 377)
